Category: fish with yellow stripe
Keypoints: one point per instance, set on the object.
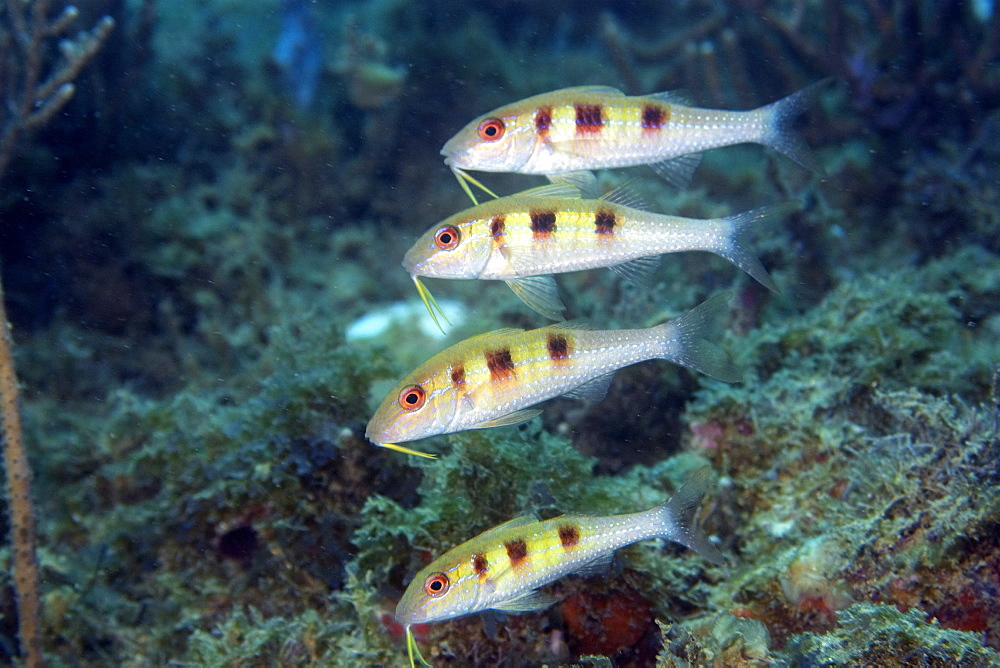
(503, 568)
(525, 238)
(494, 379)
(566, 133)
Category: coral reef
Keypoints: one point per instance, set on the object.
(188, 242)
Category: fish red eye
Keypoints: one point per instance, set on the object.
(412, 398)
(446, 238)
(436, 584)
(491, 129)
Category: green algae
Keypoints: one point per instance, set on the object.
(870, 634)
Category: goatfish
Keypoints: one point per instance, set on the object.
(525, 238)
(566, 133)
(503, 568)
(493, 379)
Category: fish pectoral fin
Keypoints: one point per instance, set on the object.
(594, 389)
(533, 600)
(517, 417)
(639, 271)
(677, 171)
(540, 294)
(584, 181)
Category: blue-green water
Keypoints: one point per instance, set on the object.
(201, 260)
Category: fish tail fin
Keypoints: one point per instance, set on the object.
(742, 228)
(779, 117)
(678, 517)
(685, 340)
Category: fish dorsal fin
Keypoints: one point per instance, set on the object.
(520, 521)
(539, 293)
(479, 338)
(594, 389)
(589, 89)
(673, 97)
(517, 417)
(529, 602)
(584, 181)
(638, 271)
(678, 171)
(626, 195)
(578, 324)
(554, 189)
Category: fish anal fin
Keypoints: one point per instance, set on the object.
(677, 171)
(517, 417)
(539, 293)
(594, 389)
(598, 566)
(529, 602)
(639, 271)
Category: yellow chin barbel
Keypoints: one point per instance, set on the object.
(414, 652)
(432, 306)
(406, 451)
(464, 180)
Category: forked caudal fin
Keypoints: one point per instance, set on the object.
(778, 131)
(678, 517)
(741, 229)
(685, 340)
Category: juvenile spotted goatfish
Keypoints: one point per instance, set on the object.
(525, 238)
(565, 133)
(502, 568)
(492, 379)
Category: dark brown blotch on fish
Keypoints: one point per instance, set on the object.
(605, 221)
(654, 116)
(500, 364)
(558, 346)
(569, 535)
(589, 118)
(498, 226)
(517, 551)
(543, 223)
(458, 375)
(480, 565)
(543, 121)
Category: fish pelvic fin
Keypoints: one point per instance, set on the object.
(686, 340)
(779, 117)
(742, 228)
(413, 651)
(678, 517)
(430, 303)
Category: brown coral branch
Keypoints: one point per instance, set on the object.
(27, 103)
(22, 515)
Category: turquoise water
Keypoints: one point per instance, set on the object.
(201, 257)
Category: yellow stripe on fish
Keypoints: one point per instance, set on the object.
(493, 379)
(502, 568)
(524, 238)
(598, 127)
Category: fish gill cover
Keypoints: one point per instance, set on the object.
(185, 243)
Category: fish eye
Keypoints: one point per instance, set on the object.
(436, 584)
(446, 238)
(412, 398)
(491, 129)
